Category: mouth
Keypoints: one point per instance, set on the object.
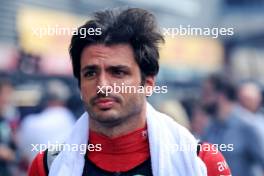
(105, 103)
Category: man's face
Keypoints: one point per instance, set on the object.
(250, 97)
(209, 98)
(103, 67)
(208, 93)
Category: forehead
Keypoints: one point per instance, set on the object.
(109, 55)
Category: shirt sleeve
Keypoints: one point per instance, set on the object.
(37, 166)
(214, 160)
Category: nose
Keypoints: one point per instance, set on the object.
(103, 83)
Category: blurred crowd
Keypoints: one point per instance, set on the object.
(223, 112)
(230, 114)
(22, 128)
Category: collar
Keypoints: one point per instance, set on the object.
(121, 153)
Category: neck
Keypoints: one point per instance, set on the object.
(128, 125)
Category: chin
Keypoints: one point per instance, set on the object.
(108, 116)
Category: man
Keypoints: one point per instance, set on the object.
(53, 123)
(133, 138)
(7, 142)
(250, 98)
(231, 127)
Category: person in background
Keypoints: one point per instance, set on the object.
(51, 125)
(7, 142)
(250, 97)
(230, 127)
(199, 120)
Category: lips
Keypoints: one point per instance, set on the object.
(105, 103)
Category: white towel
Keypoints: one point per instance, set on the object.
(166, 138)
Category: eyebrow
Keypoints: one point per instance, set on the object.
(124, 67)
(89, 67)
(95, 67)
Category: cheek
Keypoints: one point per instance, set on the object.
(134, 80)
(134, 98)
(87, 91)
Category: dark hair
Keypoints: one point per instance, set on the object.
(224, 85)
(133, 26)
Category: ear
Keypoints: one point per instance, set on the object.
(149, 85)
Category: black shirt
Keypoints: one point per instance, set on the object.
(144, 169)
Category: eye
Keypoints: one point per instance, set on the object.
(119, 73)
(90, 74)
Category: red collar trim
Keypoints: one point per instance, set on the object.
(120, 153)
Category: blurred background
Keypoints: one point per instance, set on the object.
(210, 80)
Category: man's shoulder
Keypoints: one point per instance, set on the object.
(41, 164)
(37, 167)
(214, 160)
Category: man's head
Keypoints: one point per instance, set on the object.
(126, 53)
(250, 96)
(57, 93)
(218, 91)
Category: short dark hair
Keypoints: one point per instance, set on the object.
(224, 85)
(133, 26)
